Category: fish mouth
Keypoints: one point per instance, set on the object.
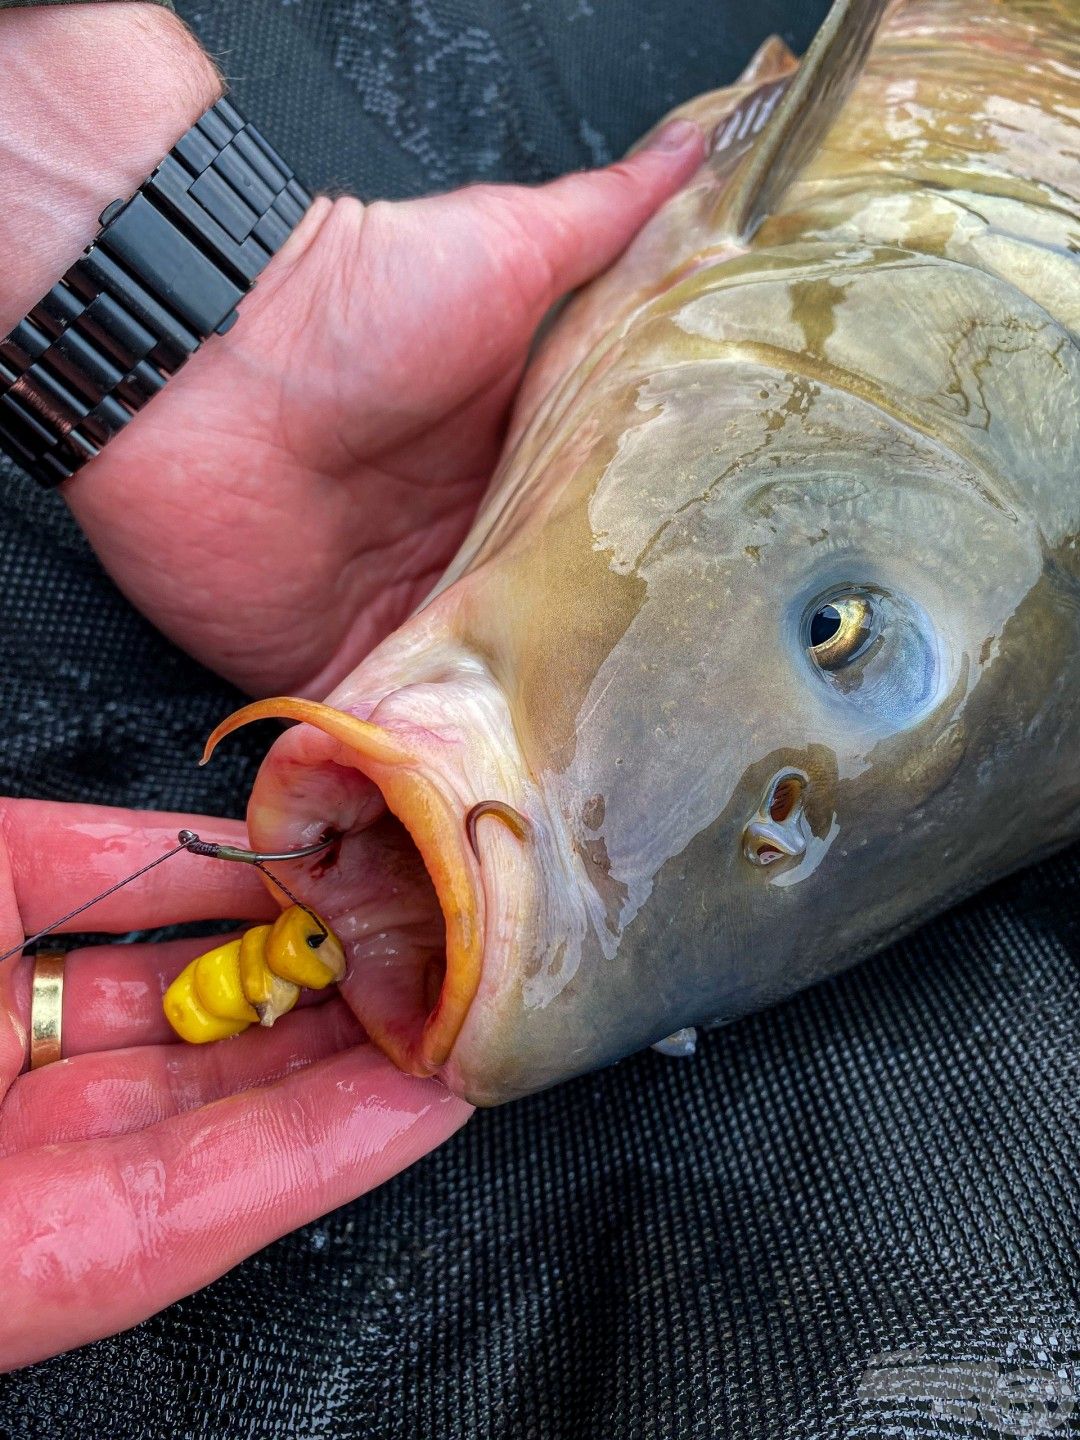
(400, 883)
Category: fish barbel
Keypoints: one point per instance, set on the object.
(765, 643)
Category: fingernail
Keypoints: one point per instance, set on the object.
(676, 135)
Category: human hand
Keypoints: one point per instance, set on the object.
(297, 489)
(138, 1169)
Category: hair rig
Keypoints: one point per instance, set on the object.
(212, 850)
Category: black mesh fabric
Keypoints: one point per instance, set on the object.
(853, 1215)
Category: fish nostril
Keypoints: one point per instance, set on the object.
(785, 796)
(765, 842)
(775, 831)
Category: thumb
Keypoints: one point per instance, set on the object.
(494, 257)
(580, 223)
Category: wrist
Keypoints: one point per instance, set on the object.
(98, 94)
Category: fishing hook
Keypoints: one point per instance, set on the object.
(217, 850)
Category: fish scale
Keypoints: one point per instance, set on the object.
(957, 141)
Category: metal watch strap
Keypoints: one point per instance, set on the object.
(167, 270)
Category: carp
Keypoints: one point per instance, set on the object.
(764, 645)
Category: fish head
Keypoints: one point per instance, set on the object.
(741, 674)
(760, 651)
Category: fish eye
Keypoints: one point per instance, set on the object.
(874, 651)
(839, 630)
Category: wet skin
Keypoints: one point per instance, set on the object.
(137, 1169)
(870, 405)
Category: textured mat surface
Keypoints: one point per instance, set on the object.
(855, 1215)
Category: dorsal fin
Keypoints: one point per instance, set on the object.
(772, 60)
(797, 125)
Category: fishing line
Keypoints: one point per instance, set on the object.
(299, 903)
(212, 849)
(217, 851)
(48, 930)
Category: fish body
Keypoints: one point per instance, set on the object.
(768, 631)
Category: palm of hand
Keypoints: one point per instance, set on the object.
(297, 490)
(140, 1168)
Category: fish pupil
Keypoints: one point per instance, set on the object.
(824, 625)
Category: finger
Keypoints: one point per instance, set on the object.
(582, 222)
(14, 1032)
(113, 993)
(98, 1236)
(504, 253)
(97, 1095)
(524, 246)
(61, 855)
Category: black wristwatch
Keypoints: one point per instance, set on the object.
(167, 269)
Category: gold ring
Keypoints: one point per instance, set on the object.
(46, 1008)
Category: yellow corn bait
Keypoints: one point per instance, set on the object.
(298, 950)
(189, 1017)
(217, 984)
(254, 979)
(268, 995)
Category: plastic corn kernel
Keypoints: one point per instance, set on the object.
(268, 994)
(189, 1017)
(217, 984)
(299, 951)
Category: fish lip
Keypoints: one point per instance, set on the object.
(436, 825)
(421, 796)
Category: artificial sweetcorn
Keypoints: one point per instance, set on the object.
(218, 986)
(298, 950)
(267, 993)
(254, 979)
(190, 1018)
